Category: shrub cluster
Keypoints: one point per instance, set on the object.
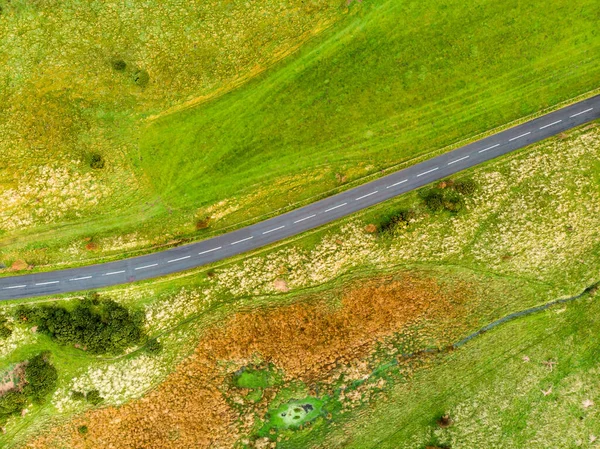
(5, 330)
(448, 195)
(92, 396)
(397, 219)
(41, 378)
(95, 161)
(40, 381)
(97, 326)
(465, 187)
(439, 199)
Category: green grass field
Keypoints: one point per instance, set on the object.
(378, 84)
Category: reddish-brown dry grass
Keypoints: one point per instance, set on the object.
(307, 340)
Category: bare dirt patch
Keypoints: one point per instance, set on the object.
(307, 340)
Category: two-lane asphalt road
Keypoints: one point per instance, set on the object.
(304, 218)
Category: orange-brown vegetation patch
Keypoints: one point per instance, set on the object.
(371, 228)
(18, 265)
(309, 340)
(91, 246)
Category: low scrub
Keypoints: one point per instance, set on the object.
(396, 219)
(448, 195)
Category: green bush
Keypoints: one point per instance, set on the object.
(41, 377)
(93, 397)
(97, 326)
(465, 187)
(95, 161)
(400, 218)
(434, 200)
(153, 346)
(452, 202)
(5, 330)
(11, 403)
(82, 430)
(141, 77)
(77, 395)
(119, 65)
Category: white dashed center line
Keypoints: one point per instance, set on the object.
(368, 194)
(243, 240)
(211, 250)
(518, 137)
(178, 259)
(16, 286)
(458, 160)
(428, 171)
(274, 229)
(146, 266)
(489, 148)
(81, 278)
(47, 283)
(550, 124)
(579, 113)
(397, 183)
(114, 272)
(305, 218)
(335, 207)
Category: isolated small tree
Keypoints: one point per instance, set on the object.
(77, 395)
(96, 161)
(119, 65)
(93, 397)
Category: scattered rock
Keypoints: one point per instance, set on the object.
(587, 403)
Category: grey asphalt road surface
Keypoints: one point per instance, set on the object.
(302, 219)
